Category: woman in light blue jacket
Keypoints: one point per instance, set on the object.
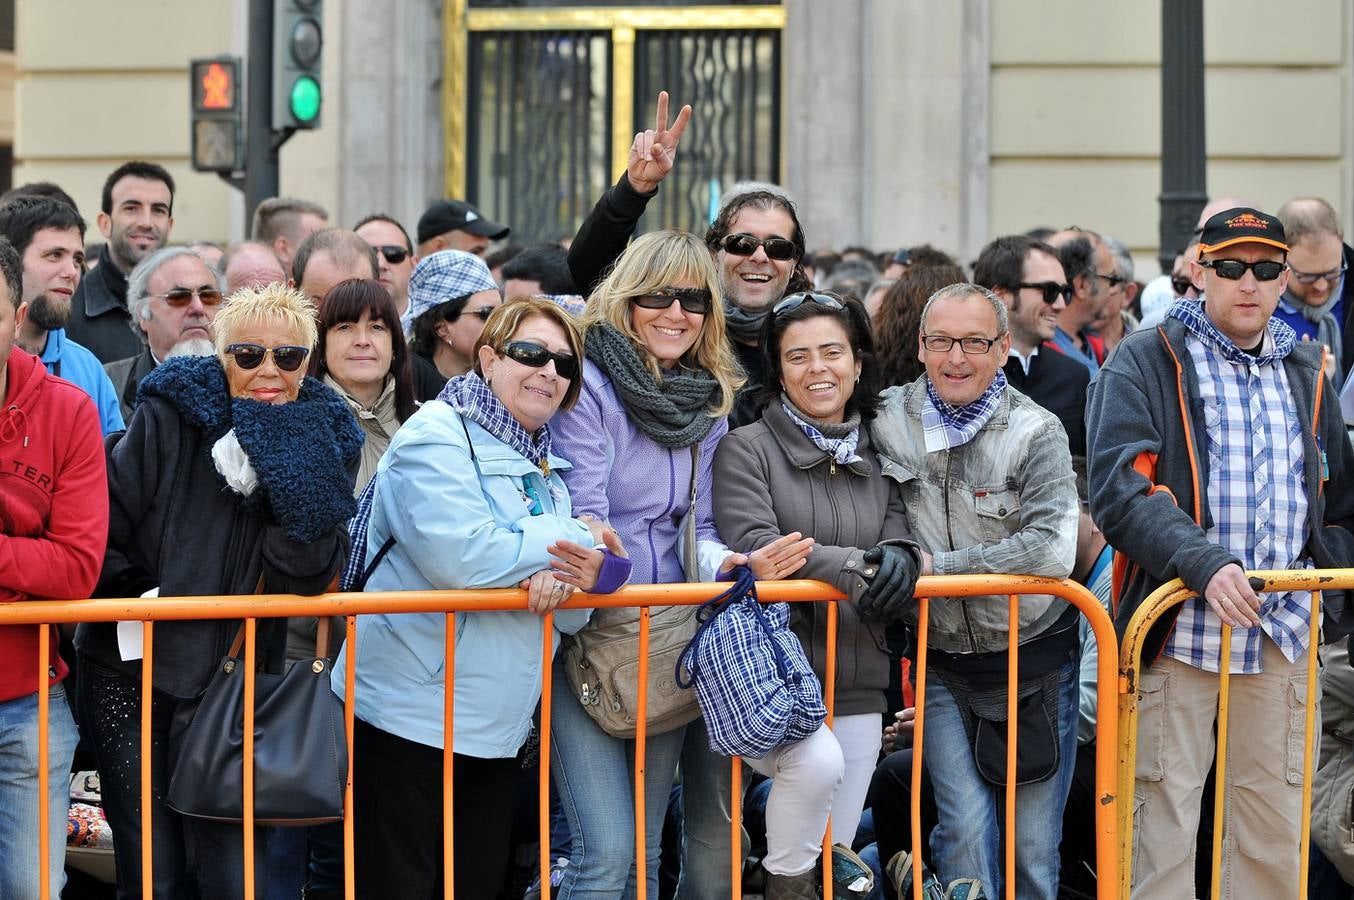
(471, 496)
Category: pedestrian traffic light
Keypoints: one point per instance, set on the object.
(298, 38)
(218, 119)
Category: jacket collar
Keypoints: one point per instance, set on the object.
(490, 449)
(111, 284)
(804, 453)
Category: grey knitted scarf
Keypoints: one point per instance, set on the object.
(675, 413)
(1327, 328)
(743, 326)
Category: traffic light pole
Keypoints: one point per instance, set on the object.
(261, 177)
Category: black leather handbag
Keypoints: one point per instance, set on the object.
(300, 750)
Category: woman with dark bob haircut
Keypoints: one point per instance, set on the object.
(362, 355)
(807, 466)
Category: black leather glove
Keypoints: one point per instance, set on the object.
(888, 597)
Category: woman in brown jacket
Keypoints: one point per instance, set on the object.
(807, 466)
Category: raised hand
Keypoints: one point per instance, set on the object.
(579, 566)
(654, 151)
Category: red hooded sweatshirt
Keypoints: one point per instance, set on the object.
(53, 509)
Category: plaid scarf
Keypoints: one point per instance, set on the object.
(841, 447)
(1191, 314)
(472, 398)
(947, 427)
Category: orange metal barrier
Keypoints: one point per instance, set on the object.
(1164, 598)
(450, 602)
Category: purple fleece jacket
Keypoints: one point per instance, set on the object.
(623, 476)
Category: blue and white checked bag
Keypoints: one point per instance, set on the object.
(754, 685)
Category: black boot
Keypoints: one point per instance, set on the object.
(806, 886)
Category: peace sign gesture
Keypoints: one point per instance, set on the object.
(654, 151)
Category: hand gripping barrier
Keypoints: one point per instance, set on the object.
(249, 608)
(1163, 599)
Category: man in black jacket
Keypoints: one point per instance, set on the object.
(756, 240)
(1029, 278)
(135, 218)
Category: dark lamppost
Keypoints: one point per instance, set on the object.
(1184, 176)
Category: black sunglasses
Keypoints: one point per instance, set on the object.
(693, 300)
(1235, 269)
(794, 301)
(288, 357)
(182, 296)
(746, 245)
(483, 313)
(1051, 290)
(536, 356)
(1181, 285)
(394, 253)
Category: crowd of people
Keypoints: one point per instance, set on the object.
(449, 411)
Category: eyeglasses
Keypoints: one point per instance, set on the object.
(394, 253)
(1114, 280)
(746, 245)
(288, 357)
(1313, 277)
(181, 296)
(536, 356)
(1181, 285)
(693, 300)
(483, 313)
(1052, 290)
(975, 346)
(794, 301)
(1234, 269)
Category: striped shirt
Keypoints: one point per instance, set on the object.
(1256, 493)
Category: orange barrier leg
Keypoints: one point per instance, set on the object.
(250, 629)
(736, 828)
(1012, 692)
(349, 682)
(1220, 783)
(147, 851)
(543, 812)
(1308, 737)
(641, 714)
(448, 750)
(44, 726)
(830, 701)
(918, 729)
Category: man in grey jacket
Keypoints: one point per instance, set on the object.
(1217, 446)
(988, 483)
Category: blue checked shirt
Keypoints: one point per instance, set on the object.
(1256, 492)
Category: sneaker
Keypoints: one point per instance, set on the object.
(852, 878)
(533, 892)
(966, 889)
(899, 871)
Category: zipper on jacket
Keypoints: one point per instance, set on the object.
(949, 533)
(832, 467)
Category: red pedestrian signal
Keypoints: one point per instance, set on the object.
(215, 85)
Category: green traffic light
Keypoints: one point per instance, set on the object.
(305, 99)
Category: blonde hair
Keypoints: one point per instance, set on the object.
(662, 259)
(506, 319)
(272, 302)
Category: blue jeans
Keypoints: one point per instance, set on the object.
(707, 779)
(966, 841)
(19, 874)
(593, 773)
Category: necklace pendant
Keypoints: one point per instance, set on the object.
(544, 465)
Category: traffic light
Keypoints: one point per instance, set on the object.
(298, 38)
(218, 115)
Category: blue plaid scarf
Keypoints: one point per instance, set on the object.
(947, 427)
(472, 398)
(1191, 314)
(841, 448)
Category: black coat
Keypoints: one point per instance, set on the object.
(126, 375)
(1058, 384)
(99, 317)
(174, 523)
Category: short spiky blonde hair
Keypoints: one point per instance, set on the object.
(661, 259)
(271, 302)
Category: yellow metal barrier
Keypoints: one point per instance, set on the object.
(250, 608)
(1164, 598)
